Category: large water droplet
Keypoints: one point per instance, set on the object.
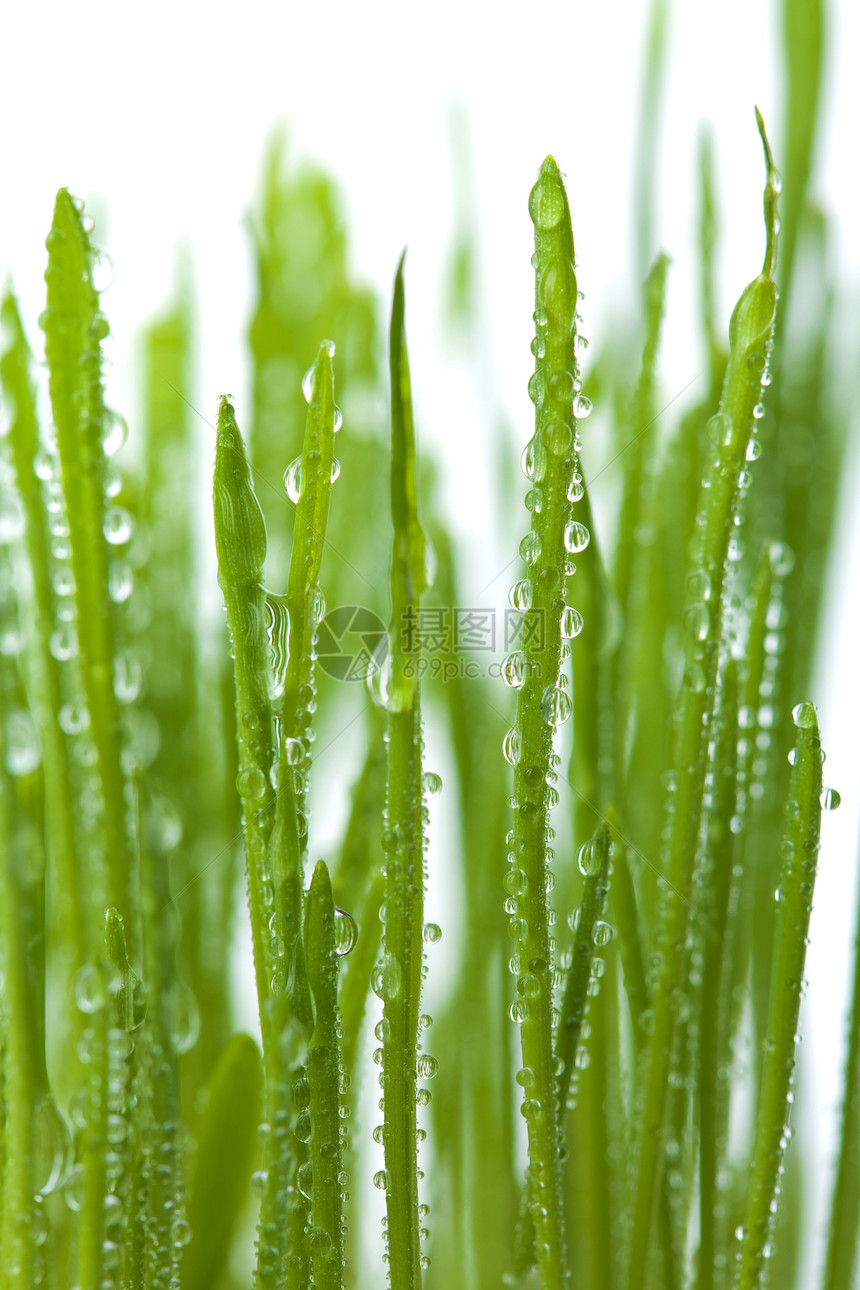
(345, 932)
(512, 746)
(386, 978)
(514, 669)
(530, 547)
(52, 1147)
(305, 1180)
(293, 479)
(576, 537)
(589, 858)
(831, 799)
(555, 705)
(520, 595)
(118, 526)
(719, 429)
(278, 632)
(571, 623)
(804, 715)
(546, 204)
(380, 1180)
(427, 1066)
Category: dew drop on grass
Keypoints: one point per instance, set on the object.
(386, 978)
(546, 204)
(581, 407)
(73, 718)
(90, 992)
(534, 501)
(530, 547)
(602, 933)
(293, 479)
(251, 783)
(23, 750)
(576, 537)
(575, 490)
(428, 1066)
(803, 715)
(516, 882)
(719, 429)
(432, 933)
(118, 526)
(520, 595)
(120, 581)
(432, 783)
(320, 1244)
(753, 449)
(278, 633)
(380, 1180)
(514, 670)
(697, 621)
(52, 1147)
(308, 384)
(588, 858)
(305, 1180)
(114, 432)
(571, 623)
(525, 1077)
(335, 470)
(830, 799)
(555, 705)
(556, 436)
(536, 389)
(533, 460)
(345, 932)
(781, 559)
(11, 520)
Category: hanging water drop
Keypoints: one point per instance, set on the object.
(576, 537)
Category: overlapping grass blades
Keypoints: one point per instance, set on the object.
(634, 888)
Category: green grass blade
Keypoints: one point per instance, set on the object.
(325, 1239)
(226, 1133)
(844, 1221)
(750, 337)
(74, 327)
(799, 852)
(543, 703)
(397, 979)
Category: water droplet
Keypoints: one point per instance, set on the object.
(695, 678)
(386, 978)
(52, 1147)
(520, 595)
(432, 783)
(114, 432)
(308, 383)
(11, 519)
(127, 677)
(538, 346)
(528, 985)
(519, 1011)
(117, 526)
(513, 669)
(533, 461)
(305, 1180)
(556, 436)
(831, 799)
(380, 1180)
(345, 932)
(320, 1244)
(251, 783)
(546, 204)
(427, 1066)
(293, 479)
(571, 623)
(278, 633)
(719, 429)
(753, 449)
(581, 407)
(432, 933)
(73, 718)
(536, 389)
(120, 581)
(534, 501)
(530, 547)
(512, 746)
(758, 411)
(602, 933)
(697, 621)
(335, 470)
(575, 490)
(804, 715)
(23, 750)
(589, 858)
(576, 537)
(555, 705)
(781, 559)
(516, 882)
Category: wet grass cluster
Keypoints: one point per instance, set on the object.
(605, 1095)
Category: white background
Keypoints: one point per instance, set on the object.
(158, 114)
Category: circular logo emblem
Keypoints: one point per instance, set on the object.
(347, 639)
